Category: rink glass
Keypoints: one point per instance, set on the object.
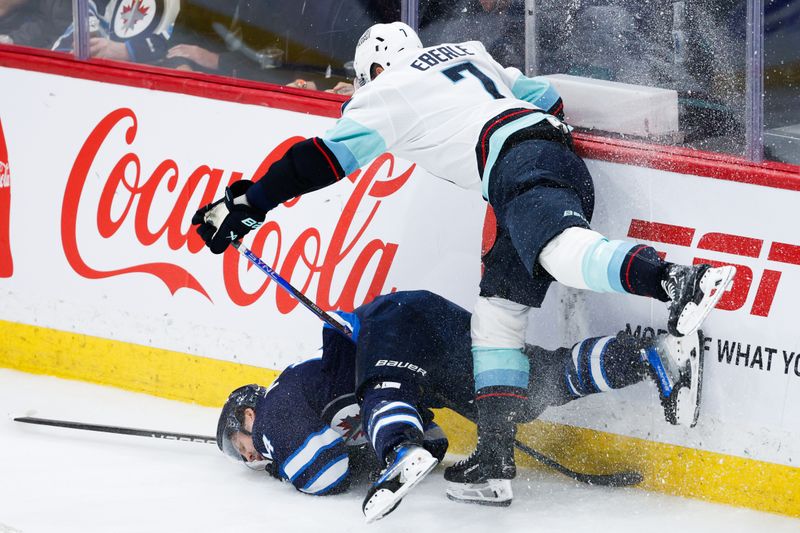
(735, 64)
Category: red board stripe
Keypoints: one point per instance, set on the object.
(658, 232)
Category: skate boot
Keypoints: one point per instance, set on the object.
(485, 476)
(676, 365)
(408, 464)
(693, 292)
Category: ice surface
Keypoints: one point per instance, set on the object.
(63, 480)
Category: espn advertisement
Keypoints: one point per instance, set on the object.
(98, 184)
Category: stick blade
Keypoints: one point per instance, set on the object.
(617, 479)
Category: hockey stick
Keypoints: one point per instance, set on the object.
(299, 296)
(185, 437)
(620, 479)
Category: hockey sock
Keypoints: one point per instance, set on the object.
(503, 368)
(497, 409)
(604, 363)
(641, 272)
(584, 259)
(498, 335)
(391, 418)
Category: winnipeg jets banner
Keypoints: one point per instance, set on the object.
(98, 184)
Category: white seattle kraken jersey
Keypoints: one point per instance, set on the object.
(430, 106)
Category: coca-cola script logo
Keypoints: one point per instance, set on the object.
(6, 262)
(138, 194)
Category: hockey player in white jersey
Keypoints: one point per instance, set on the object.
(454, 110)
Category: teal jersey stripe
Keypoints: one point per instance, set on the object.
(364, 144)
(537, 91)
(497, 141)
(343, 154)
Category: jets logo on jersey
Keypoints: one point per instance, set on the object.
(133, 17)
(347, 423)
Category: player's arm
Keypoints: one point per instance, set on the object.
(358, 137)
(304, 450)
(540, 92)
(537, 90)
(307, 166)
(317, 464)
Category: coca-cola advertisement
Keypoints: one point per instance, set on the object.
(106, 239)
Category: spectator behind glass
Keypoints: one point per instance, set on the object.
(273, 41)
(127, 30)
(498, 24)
(34, 23)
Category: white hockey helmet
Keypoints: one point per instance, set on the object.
(379, 45)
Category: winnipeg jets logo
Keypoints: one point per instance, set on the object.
(347, 423)
(133, 13)
(268, 447)
(133, 17)
(351, 428)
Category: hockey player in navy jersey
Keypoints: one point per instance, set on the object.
(455, 111)
(322, 419)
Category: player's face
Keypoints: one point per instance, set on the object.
(244, 445)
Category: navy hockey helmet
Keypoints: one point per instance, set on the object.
(231, 421)
(380, 44)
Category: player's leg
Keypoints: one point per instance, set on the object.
(395, 429)
(391, 364)
(501, 375)
(602, 364)
(543, 194)
(581, 258)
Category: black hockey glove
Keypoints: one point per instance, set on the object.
(228, 219)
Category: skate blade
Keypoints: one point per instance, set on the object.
(496, 493)
(379, 507)
(688, 402)
(488, 503)
(714, 283)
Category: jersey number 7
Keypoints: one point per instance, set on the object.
(456, 74)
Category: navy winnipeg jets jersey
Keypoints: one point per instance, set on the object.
(306, 422)
(309, 423)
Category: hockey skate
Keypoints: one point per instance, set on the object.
(676, 365)
(408, 465)
(693, 292)
(485, 476)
